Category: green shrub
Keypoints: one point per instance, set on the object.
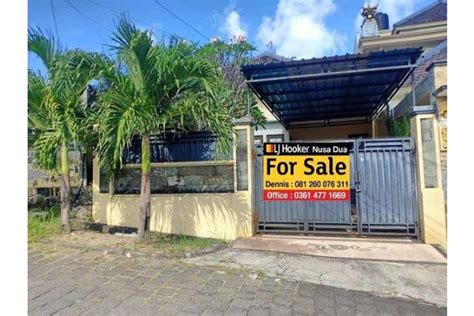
(43, 223)
(178, 243)
(400, 127)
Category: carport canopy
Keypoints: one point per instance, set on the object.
(331, 90)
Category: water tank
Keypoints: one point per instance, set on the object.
(382, 21)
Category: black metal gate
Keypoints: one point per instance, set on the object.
(383, 195)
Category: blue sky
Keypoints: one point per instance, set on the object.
(299, 28)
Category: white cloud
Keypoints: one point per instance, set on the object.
(232, 26)
(298, 29)
(154, 29)
(396, 10)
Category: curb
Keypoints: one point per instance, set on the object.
(138, 253)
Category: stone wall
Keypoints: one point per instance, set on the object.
(179, 179)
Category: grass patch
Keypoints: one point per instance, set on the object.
(178, 243)
(43, 224)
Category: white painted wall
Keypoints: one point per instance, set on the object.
(273, 127)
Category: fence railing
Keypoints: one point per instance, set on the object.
(173, 147)
(195, 166)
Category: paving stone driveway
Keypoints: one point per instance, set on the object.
(73, 281)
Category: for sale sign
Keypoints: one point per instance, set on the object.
(306, 171)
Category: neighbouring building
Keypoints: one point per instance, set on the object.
(396, 182)
(48, 183)
(428, 29)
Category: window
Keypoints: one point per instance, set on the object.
(258, 140)
(46, 192)
(277, 138)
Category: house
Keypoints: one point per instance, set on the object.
(48, 184)
(426, 28)
(395, 182)
(395, 75)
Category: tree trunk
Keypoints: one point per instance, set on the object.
(145, 190)
(65, 190)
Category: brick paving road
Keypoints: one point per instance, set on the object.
(72, 282)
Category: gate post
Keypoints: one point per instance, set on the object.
(424, 129)
(244, 167)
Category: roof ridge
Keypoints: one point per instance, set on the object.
(326, 59)
(422, 10)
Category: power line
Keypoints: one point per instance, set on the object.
(54, 18)
(89, 20)
(183, 21)
(135, 19)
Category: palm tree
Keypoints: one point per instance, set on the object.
(56, 110)
(152, 88)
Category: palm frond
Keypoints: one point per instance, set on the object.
(56, 104)
(45, 46)
(37, 112)
(153, 87)
(45, 149)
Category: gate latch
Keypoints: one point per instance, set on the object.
(357, 186)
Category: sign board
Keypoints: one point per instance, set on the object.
(306, 171)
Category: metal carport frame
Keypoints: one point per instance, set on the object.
(324, 89)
